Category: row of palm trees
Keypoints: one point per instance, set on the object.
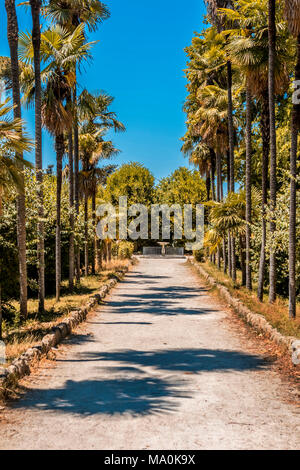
(248, 50)
(43, 69)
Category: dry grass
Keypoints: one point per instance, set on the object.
(276, 314)
(18, 340)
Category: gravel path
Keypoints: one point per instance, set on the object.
(158, 367)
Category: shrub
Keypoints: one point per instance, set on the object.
(199, 255)
(125, 250)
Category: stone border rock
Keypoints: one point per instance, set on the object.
(21, 366)
(256, 320)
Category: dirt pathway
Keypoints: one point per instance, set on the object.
(159, 367)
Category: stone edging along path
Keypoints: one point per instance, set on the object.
(21, 366)
(256, 320)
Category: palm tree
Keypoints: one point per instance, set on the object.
(92, 148)
(273, 150)
(99, 177)
(205, 69)
(251, 53)
(36, 42)
(12, 35)
(207, 84)
(230, 215)
(70, 14)
(71, 216)
(200, 157)
(60, 50)
(292, 14)
(12, 142)
(95, 118)
(248, 187)
(213, 7)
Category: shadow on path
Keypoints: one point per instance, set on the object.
(130, 388)
(136, 396)
(185, 360)
(160, 301)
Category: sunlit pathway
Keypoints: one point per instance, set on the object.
(158, 367)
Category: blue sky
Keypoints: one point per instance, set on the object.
(139, 60)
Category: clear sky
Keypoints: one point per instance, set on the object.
(139, 60)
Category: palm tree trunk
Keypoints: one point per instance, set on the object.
(233, 259)
(243, 260)
(265, 132)
(228, 235)
(218, 165)
(231, 156)
(293, 192)
(94, 257)
(224, 256)
(273, 149)
(105, 250)
(230, 126)
(207, 182)
(98, 255)
(218, 168)
(224, 238)
(36, 42)
(76, 176)
(71, 217)
(212, 173)
(109, 251)
(86, 241)
(12, 35)
(213, 192)
(59, 147)
(248, 188)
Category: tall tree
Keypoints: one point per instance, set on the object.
(248, 47)
(231, 158)
(248, 187)
(12, 35)
(71, 216)
(70, 14)
(36, 42)
(12, 140)
(218, 20)
(96, 119)
(273, 149)
(292, 13)
(60, 51)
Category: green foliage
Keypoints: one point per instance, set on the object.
(8, 235)
(124, 249)
(183, 186)
(199, 255)
(132, 180)
(279, 242)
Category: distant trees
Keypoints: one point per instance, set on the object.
(132, 180)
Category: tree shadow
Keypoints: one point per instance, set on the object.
(180, 360)
(130, 388)
(135, 396)
(140, 278)
(170, 300)
(161, 301)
